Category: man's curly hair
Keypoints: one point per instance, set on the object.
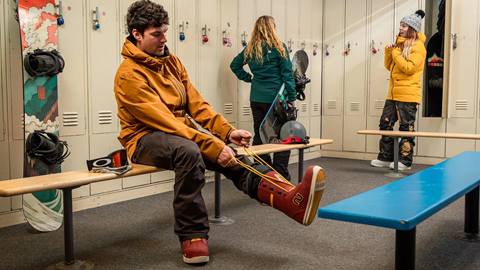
(145, 13)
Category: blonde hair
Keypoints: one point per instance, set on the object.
(410, 38)
(263, 32)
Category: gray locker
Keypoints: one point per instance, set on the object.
(103, 50)
(263, 7)
(72, 82)
(279, 10)
(185, 21)
(315, 58)
(3, 104)
(355, 91)
(228, 49)
(168, 5)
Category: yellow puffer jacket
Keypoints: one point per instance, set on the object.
(154, 93)
(406, 74)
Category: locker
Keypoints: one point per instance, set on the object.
(100, 146)
(315, 131)
(3, 126)
(246, 21)
(14, 73)
(403, 8)
(5, 204)
(208, 55)
(279, 13)
(292, 29)
(168, 5)
(185, 21)
(135, 181)
(15, 148)
(333, 72)
(460, 125)
(78, 153)
(123, 10)
(304, 40)
(227, 90)
(463, 59)
(263, 7)
(5, 164)
(355, 75)
(432, 147)
(103, 50)
(72, 86)
(315, 58)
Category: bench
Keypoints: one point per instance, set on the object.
(405, 203)
(398, 134)
(67, 181)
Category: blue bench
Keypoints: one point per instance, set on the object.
(405, 203)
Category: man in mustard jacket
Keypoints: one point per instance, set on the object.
(157, 105)
(405, 60)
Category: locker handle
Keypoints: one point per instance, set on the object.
(303, 45)
(205, 29)
(244, 38)
(372, 47)
(96, 18)
(315, 47)
(60, 19)
(290, 44)
(347, 49)
(327, 52)
(454, 41)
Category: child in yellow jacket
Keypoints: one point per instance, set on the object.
(405, 60)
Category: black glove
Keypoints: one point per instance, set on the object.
(300, 82)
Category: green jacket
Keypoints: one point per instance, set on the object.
(267, 76)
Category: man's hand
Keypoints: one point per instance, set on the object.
(226, 157)
(240, 137)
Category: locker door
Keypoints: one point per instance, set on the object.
(263, 7)
(463, 68)
(315, 57)
(187, 49)
(2, 78)
(403, 8)
(103, 58)
(72, 82)
(279, 13)
(355, 75)
(381, 20)
(246, 21)
(333, 72)
(227, 80)
(292, 29)
(14, 72)
(208, 77)
(304, 41)
(123, 10)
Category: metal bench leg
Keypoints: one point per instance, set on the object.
(405, 249)
(471, 215)
(300, 165)
(396, 158)
(217, 218)
(69, 262)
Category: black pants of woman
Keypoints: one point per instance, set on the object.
(394, 111)
(280, 159)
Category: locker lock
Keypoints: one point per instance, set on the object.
(315, 48)
(204, 34)
(372, 47)
(96, 19)
(303, 45)
(244, 38)
(290, 44)
(327, 52)
(347, 50)
(60, 19)
(181, 32)
(226, 40)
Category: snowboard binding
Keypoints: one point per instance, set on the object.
(47, 147)
(43, 63)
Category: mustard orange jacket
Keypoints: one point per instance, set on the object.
(406, 73)
(154, 93)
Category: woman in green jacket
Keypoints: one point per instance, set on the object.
(405, 60)
(270, 65)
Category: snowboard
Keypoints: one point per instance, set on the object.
(434, 77)
(281, 111)
(38, 30)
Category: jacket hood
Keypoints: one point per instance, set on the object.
(132, 52)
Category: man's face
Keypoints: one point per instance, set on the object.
(153, 40)
(403, 29)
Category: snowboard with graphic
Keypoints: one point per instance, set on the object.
(38, 30)
(276, 116)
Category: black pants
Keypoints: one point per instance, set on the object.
(406, 113)
(280, 159)
(183, 156)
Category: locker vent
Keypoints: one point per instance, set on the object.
(105, 117)
(246, 111)
(70, 119)
(228, 108)
(379, 104)
(316, 107)
(332, 104)
(355, 106)
(304, 107)
(461, 105)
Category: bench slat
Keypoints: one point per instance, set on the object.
(82, 177)
(406, 202)
(395, 133)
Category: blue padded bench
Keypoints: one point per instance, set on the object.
(405, 203)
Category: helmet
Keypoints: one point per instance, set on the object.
(293, 132)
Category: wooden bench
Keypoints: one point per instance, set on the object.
(67, 181)
(405, 203)
(398, 134)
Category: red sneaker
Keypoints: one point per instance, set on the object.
(195, 251)
(298, 202)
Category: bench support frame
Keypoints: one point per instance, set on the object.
(405, 249)
(471, 215)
